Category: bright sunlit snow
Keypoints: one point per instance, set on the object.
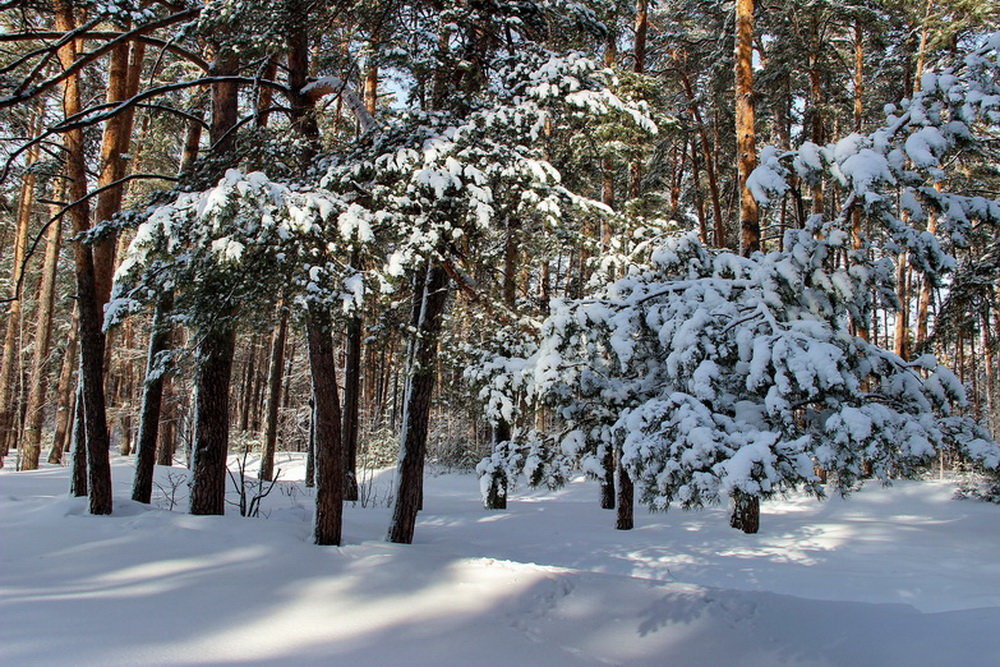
(899, 575)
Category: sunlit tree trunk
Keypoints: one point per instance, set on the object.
(746, 136)
(10, 366)
(43, 336)
(90, 315)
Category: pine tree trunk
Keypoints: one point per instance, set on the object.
(815, 114)
(625, 516)
(746, 137)
(274, 376)
(11, 361)
(78, 446)
(216, 346)
(211, 438)
(719, 232)
(352, 403)
(67, 401)
(639, 56)
(167, 441)
(91, 336)
(43, 336)
(115, 142)
(247, 385)
(496, 497)
(328, 446)
(429, 295)
(311, 452)
(859, 76)
(901, 340)
(746, 512)
(152, 397)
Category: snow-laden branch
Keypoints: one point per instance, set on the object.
(332, 85)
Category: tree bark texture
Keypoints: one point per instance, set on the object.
(91, 336)
(625, 516)
(429, 297)
(66, 393)
(746, 136)
(43, 337)
(274, 374)
(211, 408)
(152, 396)
(11, 361)
(352, 404)
(78, 444)
(328, 445)
(746, 512)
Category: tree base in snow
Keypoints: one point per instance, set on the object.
(746, 513)
(496, 495)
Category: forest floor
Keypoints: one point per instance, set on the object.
(889, 576)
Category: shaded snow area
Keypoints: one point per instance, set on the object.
(891, 576)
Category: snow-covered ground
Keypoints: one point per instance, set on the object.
(903, 575)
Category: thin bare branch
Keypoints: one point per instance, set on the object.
(91, 56)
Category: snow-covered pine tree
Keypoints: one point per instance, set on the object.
(719, 376)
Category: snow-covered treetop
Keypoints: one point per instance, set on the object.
(248, 238)
(891, 172)
(716, 373)
(436, 181)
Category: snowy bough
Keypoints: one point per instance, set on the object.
(713, 376)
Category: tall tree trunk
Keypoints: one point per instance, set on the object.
(147, 453)
(274, 375)
(78, 446)
(639, 55)
(926, 288)
(66, 394)
(859, 76)
(43, 336)
(719, 231)
(352, 401)
(211, 437)
(91, 336)
(746, 136)
(815, 113)
(429, 298)
(117, 136)
(10, 366)
(901, 341)
(311, 452)
(329, 451)
(857, 233)
(167, 441)
(152, 395)
(216, 345)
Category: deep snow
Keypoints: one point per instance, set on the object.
(899, 575)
